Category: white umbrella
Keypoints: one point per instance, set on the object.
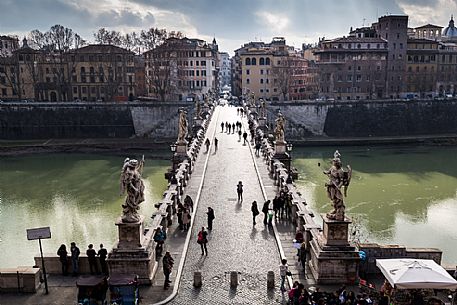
(408, 273)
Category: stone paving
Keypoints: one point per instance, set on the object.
(235, 244)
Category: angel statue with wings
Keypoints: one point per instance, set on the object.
(131, 183)
(337, 187)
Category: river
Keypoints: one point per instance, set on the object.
(398, 195)
(77, 195)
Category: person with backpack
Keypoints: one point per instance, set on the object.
(245, 137)
(239, 191)
(159, 237)
(63, 257)
(202, 240)
(254, 210)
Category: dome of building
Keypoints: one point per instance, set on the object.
(451, 30)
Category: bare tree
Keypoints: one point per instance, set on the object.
(104, 36)
(283, 74)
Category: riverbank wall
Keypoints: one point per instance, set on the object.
(26, 121)
(365, 119)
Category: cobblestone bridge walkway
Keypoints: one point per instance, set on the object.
(235, 244)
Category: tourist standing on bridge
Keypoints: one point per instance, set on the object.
(239, 135)
(239, 190)
(222, 126)
(203, 240)
(215, 144)
(189, 202)
(265, 209)
(255, 211)
(102, 254)
(211, 217)
(207, 143)
(74, 258)
(283, 272)
(63, 257)
(233, 127)
(245, 137)
(229, 128)
(257, 148)
(186, 219)
(167, 263)
(91, 257)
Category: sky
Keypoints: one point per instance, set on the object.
(232, 23)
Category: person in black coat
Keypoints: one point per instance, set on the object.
(254, 210)
(211, 217)
(265, 209)
(63, 257)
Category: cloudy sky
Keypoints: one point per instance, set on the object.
(232, 22)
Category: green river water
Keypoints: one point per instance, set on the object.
(77, 195)
(398, 195)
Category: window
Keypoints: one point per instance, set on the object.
(84, 90)
(247, 81)
(267, 61)
(203, 63)
(261, 80)
(262, 61)
(198, 73)
(253, 61)
(247, 61)
(75, 90)
(247, 72)
(261, 71)
(197, 63)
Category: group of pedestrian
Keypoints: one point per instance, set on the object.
(184, 213)
(282, 205)
(91, 256)
(299, 295)
(231, 127)
(208, 143)
(240, 111)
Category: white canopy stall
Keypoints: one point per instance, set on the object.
(408, 273)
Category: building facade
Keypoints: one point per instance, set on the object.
(182, 69)
(225, 73)
(8, 44)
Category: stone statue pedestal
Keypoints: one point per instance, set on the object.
(262, 122)
(181, 148)
(280, 148)
(333, 259)
(134, 251)
(281, 154)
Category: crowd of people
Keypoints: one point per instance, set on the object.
(95, 258)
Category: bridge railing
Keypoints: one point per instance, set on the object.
(167, 207)
(302, 215)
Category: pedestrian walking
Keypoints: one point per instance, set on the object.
(179, 215)
(255, 211)
(186, 217)
(203, 240)
(63, 257)
(211, 217)
(283, 272)
(159, 237)
(215, 144)
(91, 257)
(302, 257)
(102, 254)
(222, 126)
(74, 250)
(226, 126)
(233, 128)
(276, 206)
(265, 209)
(167, 263)
(257, 149)
(229, 128)
(189, 202)
(289, 205)
(239, 135)
(239, 191)
(237, 111)
(207, 143)
(245, 137)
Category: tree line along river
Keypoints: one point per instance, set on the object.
(403, 195)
